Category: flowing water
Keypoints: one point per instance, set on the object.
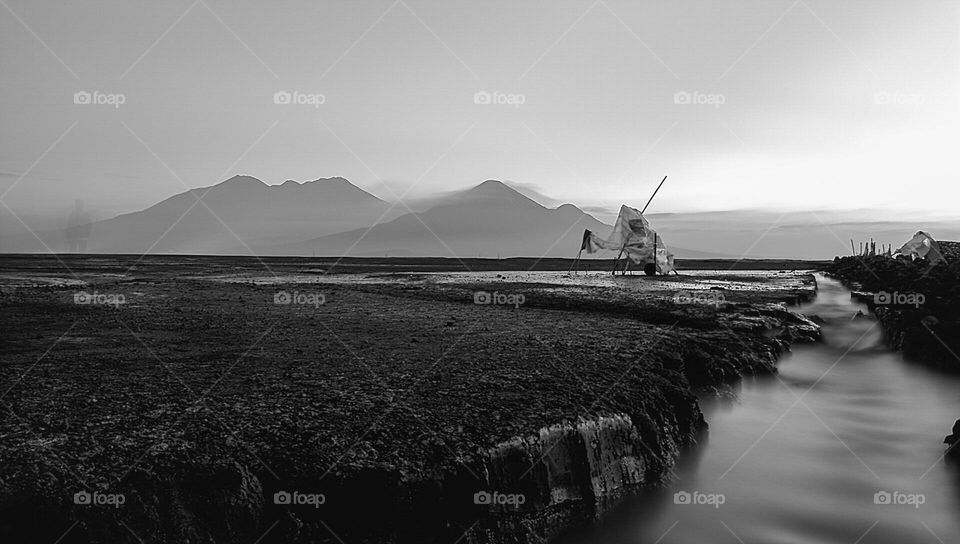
(844, 446)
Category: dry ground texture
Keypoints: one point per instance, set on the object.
(351, 384)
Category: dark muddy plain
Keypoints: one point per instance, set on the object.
(198, 388)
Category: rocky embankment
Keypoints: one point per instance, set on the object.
(953, 442)
(918, 305)
(205, 412)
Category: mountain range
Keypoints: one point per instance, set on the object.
(489, 220)
(328, 217)
(333, 217)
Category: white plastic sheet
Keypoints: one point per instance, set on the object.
(632, 235)
(921, 246)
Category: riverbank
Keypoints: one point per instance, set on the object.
(200, 395)
(917, 305)
(774, 469)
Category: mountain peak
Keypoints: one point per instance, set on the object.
(492, 183)
(337, 180)
(496, 191)
(323, 188)
(569, 208)
(242, 180)
(492, 186)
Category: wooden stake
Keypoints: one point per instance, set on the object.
(656, 264)
(575, 262)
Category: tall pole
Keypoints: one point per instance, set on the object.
(653, 195)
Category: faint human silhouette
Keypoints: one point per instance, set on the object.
(78, 228)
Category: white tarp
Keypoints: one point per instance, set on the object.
(632, 235)
(921, 246)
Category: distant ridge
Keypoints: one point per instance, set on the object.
(488, 220)
(240, 207)
(333, 217)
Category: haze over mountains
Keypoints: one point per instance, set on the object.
(332, 217)
(216, 219)
(488, 220)
(813, 234)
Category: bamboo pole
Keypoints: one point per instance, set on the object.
(653, 195)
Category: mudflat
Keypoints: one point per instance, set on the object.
(200, 387)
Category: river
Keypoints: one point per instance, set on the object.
(843, 445)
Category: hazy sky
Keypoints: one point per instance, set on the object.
(808, 103)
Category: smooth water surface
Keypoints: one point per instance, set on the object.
(801, 457)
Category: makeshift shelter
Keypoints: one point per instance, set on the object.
(921, 246)
(632, 236)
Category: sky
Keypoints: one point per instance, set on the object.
(764, 105)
